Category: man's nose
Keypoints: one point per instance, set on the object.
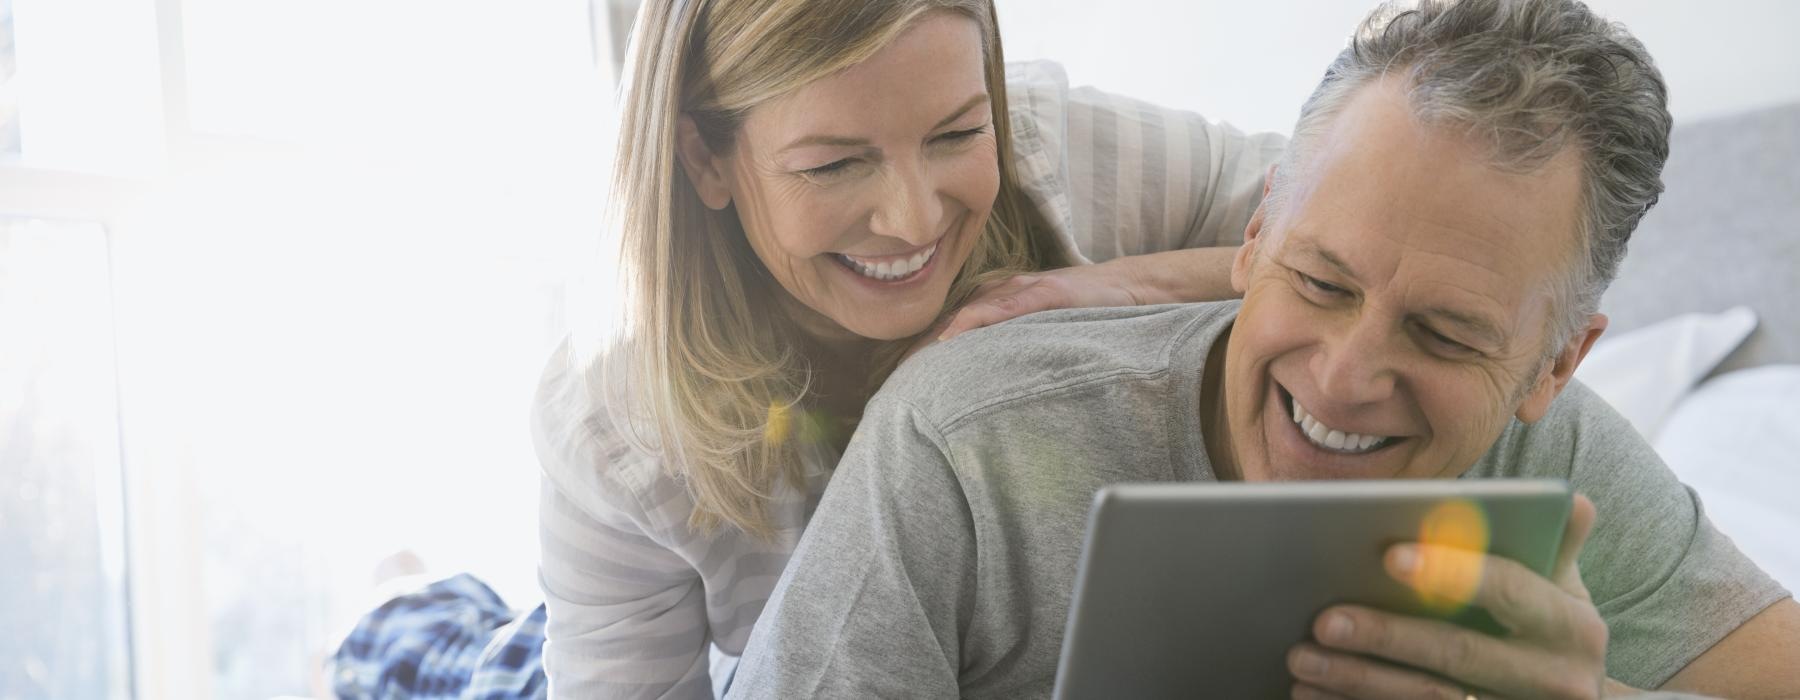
(909, 208)
(1355, 365)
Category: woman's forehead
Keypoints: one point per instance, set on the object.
(933, 70)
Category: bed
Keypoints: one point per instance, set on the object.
(1703, 353)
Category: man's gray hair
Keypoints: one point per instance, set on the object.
(1529, 78)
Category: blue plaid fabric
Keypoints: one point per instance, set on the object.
(454, 639)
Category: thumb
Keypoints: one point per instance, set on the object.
(1567, 573)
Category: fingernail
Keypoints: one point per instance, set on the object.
(1337, 627)
(1406, 558)
(1312, 663)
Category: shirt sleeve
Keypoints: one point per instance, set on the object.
(627, 618)
(626, 613)
(1117, 176)
(1668, 584)
(877, 593)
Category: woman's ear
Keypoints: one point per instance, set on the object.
(706, 171)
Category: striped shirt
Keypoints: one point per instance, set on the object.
(636, 599)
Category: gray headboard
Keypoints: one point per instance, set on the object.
(1727, 232)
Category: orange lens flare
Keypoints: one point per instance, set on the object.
(1446, 584)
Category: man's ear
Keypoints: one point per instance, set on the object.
(708, 172)
(1556, 374)
(1246, 254)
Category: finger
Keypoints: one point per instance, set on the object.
(1347, 675)
(1453, 652)
(1448, 578)
(1302, 691)
(964, 319)
(1020, 280)
(997, 308)
(1582, 516)
(924, 341)
(997, 287)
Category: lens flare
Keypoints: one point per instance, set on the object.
(1446, 584)
(814, 427)
(779, 425)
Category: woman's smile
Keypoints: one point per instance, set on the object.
(893, 269)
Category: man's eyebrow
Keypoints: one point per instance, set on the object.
(1337, 263)
(826, 140)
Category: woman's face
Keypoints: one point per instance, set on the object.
(863, 193)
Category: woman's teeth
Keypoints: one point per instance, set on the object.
(890, 270)
(1332, 439)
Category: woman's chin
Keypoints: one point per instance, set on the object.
(886, 328)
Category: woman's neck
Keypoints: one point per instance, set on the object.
(842, 362)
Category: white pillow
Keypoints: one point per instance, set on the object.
(1645, 372)
(1734, 441)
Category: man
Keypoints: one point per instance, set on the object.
(1419, 286)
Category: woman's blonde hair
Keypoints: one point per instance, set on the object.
(712, 369)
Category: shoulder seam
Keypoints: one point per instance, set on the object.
(953, 421)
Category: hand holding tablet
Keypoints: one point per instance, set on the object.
(1231, 590)
(1553, 644)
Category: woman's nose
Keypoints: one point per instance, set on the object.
(909, 208)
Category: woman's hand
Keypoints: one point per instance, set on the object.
(1201, 274)
(1556, 648)
(1105, 284)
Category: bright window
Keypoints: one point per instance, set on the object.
(327, 266)
(62, 598)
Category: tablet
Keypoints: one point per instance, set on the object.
(1200, 589)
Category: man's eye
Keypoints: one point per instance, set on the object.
(1445, 342)
(1322, 286)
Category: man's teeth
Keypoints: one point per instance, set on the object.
(889, 270)
(1333, 439)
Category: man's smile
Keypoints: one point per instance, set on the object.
(1331, 438)
(1316, 449)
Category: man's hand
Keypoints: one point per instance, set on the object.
(1555, 646)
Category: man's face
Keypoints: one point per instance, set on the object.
(1396, 308)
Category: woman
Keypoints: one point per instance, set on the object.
(803, 187)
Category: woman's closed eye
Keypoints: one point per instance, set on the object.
(828, 169)
(956, 137)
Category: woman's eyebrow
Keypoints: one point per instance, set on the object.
(849, 141)
(967, 105)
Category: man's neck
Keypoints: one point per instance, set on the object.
(1214, 426)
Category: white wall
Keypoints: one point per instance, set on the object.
(1252, 63)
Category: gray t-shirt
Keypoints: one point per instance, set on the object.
(941, 559)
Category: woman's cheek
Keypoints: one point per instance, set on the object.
(811, 220)
(982, 162)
